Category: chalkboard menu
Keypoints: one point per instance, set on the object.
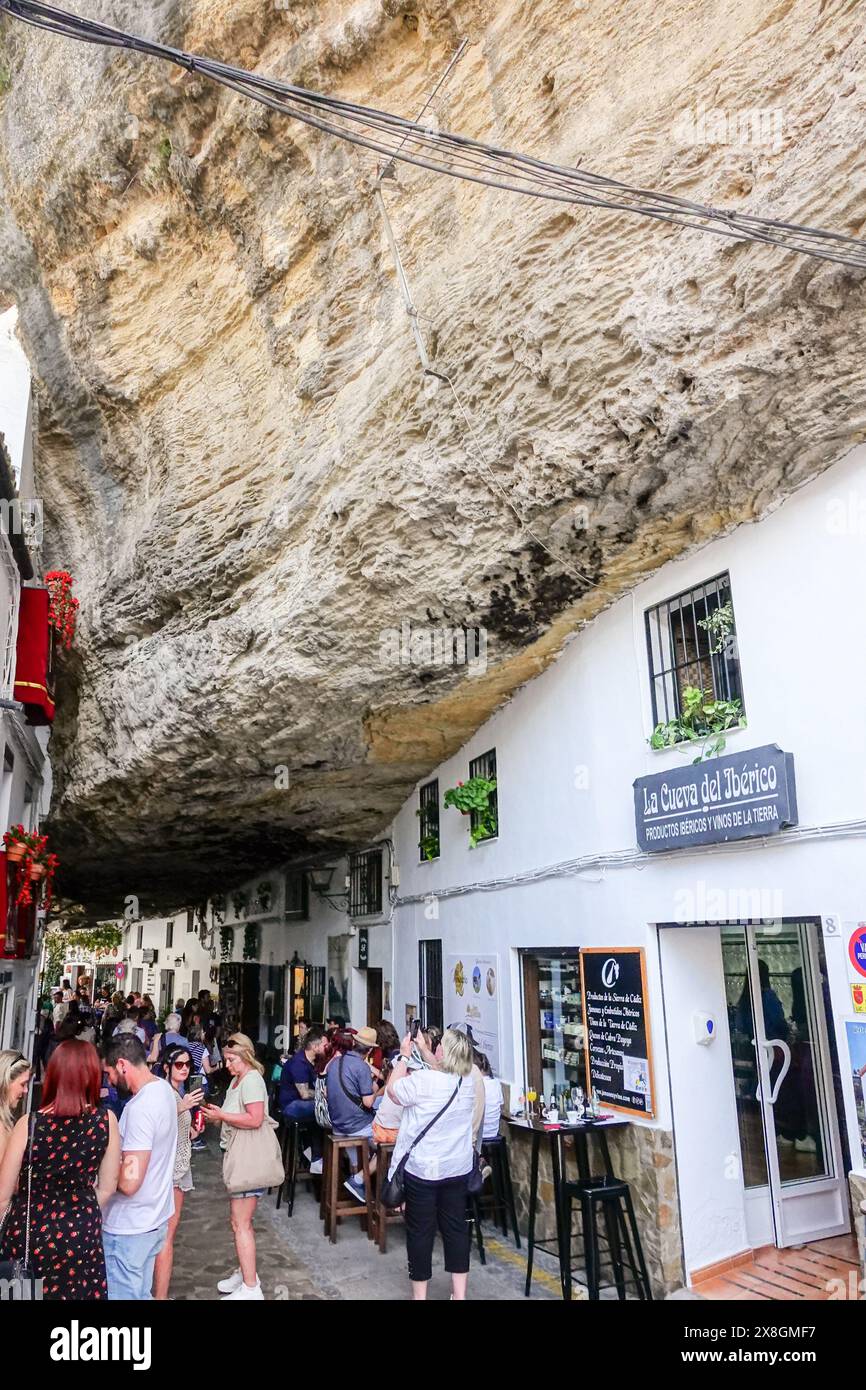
(617, 1031)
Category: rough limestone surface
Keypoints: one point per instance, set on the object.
(241, 462)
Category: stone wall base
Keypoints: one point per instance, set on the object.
(642, 1157)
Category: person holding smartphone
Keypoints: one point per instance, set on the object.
(176, 1067)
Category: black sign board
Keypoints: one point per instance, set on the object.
(616, 1028)
(363, 948)
(734, 797)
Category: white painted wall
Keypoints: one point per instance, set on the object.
(15, 402)
(570, 744)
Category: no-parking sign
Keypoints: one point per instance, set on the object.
(857, 949)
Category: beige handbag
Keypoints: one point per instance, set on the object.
(252, 1158)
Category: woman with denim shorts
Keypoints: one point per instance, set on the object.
(245, 1107)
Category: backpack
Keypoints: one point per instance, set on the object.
(323, 1119)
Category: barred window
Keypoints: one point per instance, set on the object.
(428, 812)
(297, 897)
(692, 641)
(365, 883)
(169, 934)
(430, 984)
(139, 936)
(485, 766)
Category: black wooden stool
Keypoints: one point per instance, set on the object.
(295, 1132)
(621, 1236)
(473, 1216)
(502, 1205)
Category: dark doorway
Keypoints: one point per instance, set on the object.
(374, 997)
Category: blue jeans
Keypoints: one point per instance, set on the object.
(305, 1111)
(354, 1155)
(300, 1110)
(129, 1262)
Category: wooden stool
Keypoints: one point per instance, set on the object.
(332, 1207)
(382, 1214)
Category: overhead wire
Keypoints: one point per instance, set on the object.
(390, 136)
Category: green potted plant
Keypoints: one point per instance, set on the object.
(429, 844)
(703, 720)
(240, 903)
(474, 799)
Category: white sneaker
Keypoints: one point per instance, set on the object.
(232, 1283)
(316, 1166)
(245, 1293)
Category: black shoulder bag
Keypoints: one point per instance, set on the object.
(392, 1193)
(19, 1270)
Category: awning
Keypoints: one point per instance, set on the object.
(33, 673)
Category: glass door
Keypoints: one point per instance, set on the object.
(789, 1140)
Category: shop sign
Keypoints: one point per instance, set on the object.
(616, 1027)
(857, 949)
(857, 1052)
(363, 948)
(472, 998)
(735, 797)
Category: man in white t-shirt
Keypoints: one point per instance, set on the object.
(135, 1221)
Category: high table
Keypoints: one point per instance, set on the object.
(580, 1133)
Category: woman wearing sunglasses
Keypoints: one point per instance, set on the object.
(175, 1066)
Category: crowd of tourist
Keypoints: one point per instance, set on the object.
(94, 1178)
(431, 1095)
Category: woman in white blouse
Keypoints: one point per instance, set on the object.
(438, 1166)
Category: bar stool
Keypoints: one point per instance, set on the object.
(622, 1239)
(473, 1216)
(496, 1153)
(382, 1215)
(295, 1132)
(332, 1207)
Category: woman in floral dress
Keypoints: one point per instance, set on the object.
(70, 1152)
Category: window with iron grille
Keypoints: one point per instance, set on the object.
(297, 897)
(485, 766)
(169, 934)
(365, 883)
(692, 641)
(428, 813)
(139, 936)
(430, 984)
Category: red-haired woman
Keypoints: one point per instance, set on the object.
(73, 1167)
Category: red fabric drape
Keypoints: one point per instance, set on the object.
(32, 660)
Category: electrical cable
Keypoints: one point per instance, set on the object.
(395, 137)
(639, 859)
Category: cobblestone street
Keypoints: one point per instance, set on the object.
(296, 1261)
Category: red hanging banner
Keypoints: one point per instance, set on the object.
(33, 664)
